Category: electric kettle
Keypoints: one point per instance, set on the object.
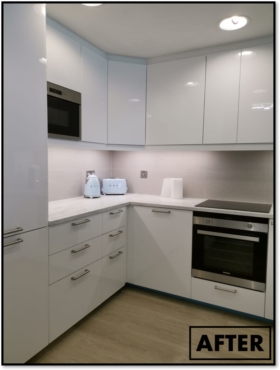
(92, 187)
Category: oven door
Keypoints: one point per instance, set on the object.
(230, 256)
(63, 118)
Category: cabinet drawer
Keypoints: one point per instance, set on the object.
(223, 295)
(74, 258)
(113, 273)
(71, 300)
(113, 240)
(114, 219)
(72, 233)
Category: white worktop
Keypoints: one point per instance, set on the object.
(73, 208)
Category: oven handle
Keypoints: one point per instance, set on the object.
(230, 236)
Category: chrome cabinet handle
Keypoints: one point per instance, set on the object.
(118, 233)
(12, 243)
(226, 290)
(16, 230)
(79, 276)
(230, 236)
(80, 223)
(156, 210)
(114, 213)
(80, 249)
(118, 254)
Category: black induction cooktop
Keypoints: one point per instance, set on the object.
(236, 206)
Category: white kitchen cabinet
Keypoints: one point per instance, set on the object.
(113, 240)
(74, 297)
(94, 97)
(114, 219)
(25, 293)
(162, 249)
(25, 119)
(126, 103)
(113, 273)
(269, 294)
(63, 60)
(221, 98)
(175, 102)
(256, 111)
(228, 296)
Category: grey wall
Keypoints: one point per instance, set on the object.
(238, 176)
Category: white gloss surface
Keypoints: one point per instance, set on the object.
(70, 209)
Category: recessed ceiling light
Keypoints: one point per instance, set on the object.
(92, 4)
(233, 23)
(191, 83)
(134, 100)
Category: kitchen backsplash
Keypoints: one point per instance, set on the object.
(68, 166)
(238, 176)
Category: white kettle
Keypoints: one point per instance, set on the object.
(92, 187)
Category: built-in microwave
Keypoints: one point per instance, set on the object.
(230, 249)
(64, 112)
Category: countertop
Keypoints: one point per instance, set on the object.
(69, 209)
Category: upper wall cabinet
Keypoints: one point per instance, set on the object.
(126, 103)
(255, 124)
(63, 60)
(221, 98)
(94, 97)
(175, 102)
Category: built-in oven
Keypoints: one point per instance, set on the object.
(230, 249)
(64, 112)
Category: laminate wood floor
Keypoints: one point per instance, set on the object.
(139, 327)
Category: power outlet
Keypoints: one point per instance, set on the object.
(144, 174)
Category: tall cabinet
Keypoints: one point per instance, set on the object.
(25, 182)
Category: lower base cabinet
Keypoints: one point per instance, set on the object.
(74, 297)
(25, 295)
(227, 296)
(113, 273)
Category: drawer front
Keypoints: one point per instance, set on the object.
(71, 300)
(113, 273)
(234, 298)
(113, 240)
(74, 258)
(72, 233)
(114, 219)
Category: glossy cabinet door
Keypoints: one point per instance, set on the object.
(63, 60)
(126, 103)
(255, 123)
(269, 294)
(175, 102)
(221, 98)
(25, 118)
(94, 97)
(162, 250)
(25, 295)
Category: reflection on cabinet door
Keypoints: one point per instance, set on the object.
(63, 60)
(126, 103)
(255, 123)
(221, 98)
(25, 295)
(25, 120)
(175, 102)
(94, 97)
(162, 249)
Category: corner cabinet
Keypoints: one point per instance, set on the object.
(175, 102)
(162, 249)
(221, 98)
(94, 97)
(126, 103)
(256, 110)
(63, 60)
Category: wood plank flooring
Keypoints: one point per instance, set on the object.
(136, 326)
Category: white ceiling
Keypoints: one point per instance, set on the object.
(151, 30)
